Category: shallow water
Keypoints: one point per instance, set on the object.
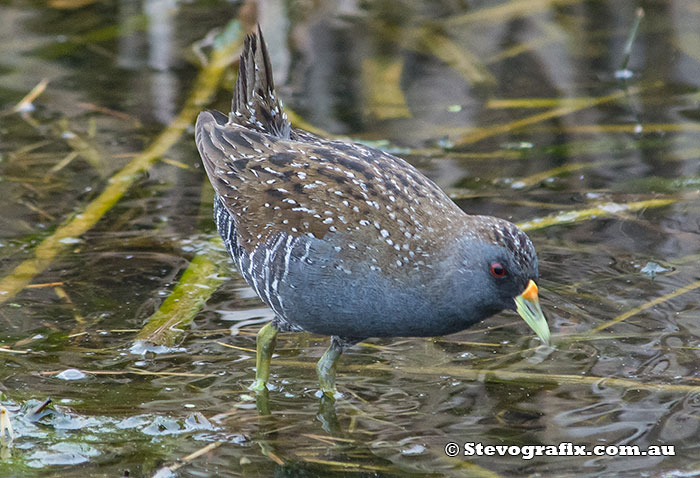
(512, 107)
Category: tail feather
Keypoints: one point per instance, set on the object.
(255, 104)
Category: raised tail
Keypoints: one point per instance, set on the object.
(255, 104)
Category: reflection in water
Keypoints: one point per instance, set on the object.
(155, 51)
(130, 55)
(161, 16)
(274, 20)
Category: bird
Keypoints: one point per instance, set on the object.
(348, 241)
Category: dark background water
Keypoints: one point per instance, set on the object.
(516, 108)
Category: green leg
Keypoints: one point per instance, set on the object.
(326, 368)
(265, 346)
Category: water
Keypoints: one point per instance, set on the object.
(516, 112)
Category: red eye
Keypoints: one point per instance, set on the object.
(498, 270)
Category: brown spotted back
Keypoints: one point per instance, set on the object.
(273, 179)
(307, 185)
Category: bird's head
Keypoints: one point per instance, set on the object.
(500, 264)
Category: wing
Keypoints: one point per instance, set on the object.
(319, 188)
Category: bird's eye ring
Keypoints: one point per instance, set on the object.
(497, 270)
